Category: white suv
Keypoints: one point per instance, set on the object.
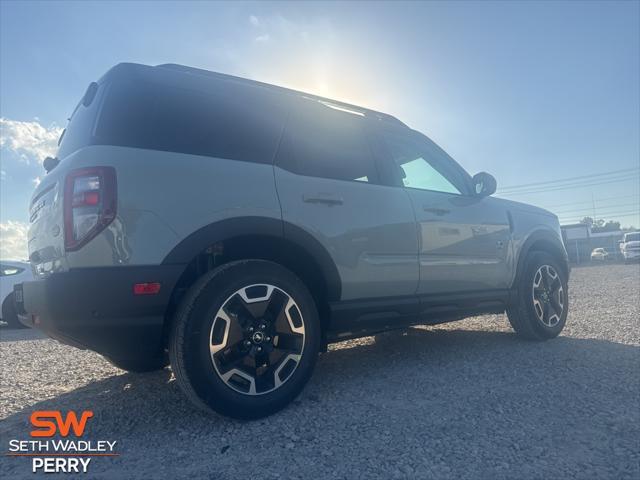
(630, 246)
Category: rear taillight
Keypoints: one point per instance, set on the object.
(89, 204)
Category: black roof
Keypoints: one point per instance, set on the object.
(222, 76)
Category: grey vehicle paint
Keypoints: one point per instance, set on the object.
(464, 242)
(370, 231)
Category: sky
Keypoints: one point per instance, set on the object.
(543, 95)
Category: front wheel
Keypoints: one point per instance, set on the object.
(542, 301)
(245, 339)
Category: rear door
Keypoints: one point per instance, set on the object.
(329, 185)
(464, 239)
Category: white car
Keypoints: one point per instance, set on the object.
(630, 246)
(11, 273)
(599, 254)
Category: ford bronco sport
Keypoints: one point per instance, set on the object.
(233, 228)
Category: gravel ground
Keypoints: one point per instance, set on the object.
(464, 400)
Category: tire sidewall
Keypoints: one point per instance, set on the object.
(9, 314)
(535, 261)
(203, 377)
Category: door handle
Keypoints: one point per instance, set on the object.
(437, 211)
(323, 198)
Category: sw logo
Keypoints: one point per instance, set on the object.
(60, 454)
(44, 420)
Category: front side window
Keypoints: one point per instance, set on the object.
(324, 142)
(422, 165)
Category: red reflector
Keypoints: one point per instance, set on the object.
(85, 199)
(91, 198)
(146, 288)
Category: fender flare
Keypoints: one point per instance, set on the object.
(547, 236)
(198, 241)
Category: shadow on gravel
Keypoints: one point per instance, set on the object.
(494, 360)
(8, 334)
(495, 395)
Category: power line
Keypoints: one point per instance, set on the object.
(610, 216)
(593, 175)
(637, 195)
(598, 209)
(570, 186)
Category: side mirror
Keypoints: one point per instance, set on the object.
(484, 184)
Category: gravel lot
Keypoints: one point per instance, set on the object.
(464, 400)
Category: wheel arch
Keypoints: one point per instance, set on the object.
(259, 238)
(6, 305)
(542, 241)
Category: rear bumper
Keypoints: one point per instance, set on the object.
(95, 308)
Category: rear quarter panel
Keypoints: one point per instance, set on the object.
(164, 196)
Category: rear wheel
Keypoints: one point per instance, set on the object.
(542, 302)
(245, 339)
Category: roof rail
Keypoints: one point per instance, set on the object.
(224, 76)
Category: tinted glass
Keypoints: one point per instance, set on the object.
(7, 270)
(324, 142)
(80, 127)
(423, 165)
(240, 123)
(632, 237)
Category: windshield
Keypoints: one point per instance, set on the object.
(632, 237)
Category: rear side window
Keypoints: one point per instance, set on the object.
(231, 122)
(321, 141)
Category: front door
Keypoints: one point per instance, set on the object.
(463, 239)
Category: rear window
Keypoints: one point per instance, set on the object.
(80, 127)
(233, 122)
(8, 270)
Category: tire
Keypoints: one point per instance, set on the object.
(255, 355)
(138, 365)
(534, 315)
(9, 314)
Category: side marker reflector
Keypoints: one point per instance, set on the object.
(146, 288)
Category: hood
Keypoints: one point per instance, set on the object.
(527, 208)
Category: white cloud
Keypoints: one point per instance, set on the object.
(278, 27)
(36, 181)
(13, 240)
(30, 140)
